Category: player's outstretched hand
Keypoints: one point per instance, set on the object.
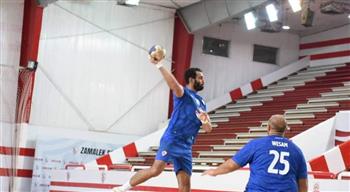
(210, 172)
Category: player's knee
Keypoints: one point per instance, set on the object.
(155, 172)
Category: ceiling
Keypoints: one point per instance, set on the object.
(321, 22)
(173, 4)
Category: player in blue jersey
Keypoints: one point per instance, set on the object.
(188, 116)
(276, 164)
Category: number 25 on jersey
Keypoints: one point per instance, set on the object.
(279, 157)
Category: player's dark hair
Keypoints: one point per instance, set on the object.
(191, 73)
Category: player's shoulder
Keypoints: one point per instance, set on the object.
(187, 92)
(262, 139)
(295, 146)
(258, 141)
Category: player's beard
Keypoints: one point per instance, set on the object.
(198, 86)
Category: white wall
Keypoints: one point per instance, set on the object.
(224, 74)
(94, 72)
(337, 33)
(11, 18)
(329, 52)
(28, 136)
(324, 132)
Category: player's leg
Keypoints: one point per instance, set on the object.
(145, 174)
(184, 181)
(183, 170)
(142, 176)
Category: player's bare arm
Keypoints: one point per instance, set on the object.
(227, 167)
(156, 58)
(302, 185)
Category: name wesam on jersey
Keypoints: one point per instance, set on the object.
(279, 144)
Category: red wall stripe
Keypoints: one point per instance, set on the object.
(182, 53)
(256, 84)
(345, 152)
(236, 94)
(324, 43)
(330, 55)
(319, 164)
(104, 160)
(28, 152)
(19, 172)
(130, 150)
(76, 184)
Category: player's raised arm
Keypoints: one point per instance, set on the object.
(157, 54)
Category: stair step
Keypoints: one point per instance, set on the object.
(276, 86)
(317, 105)
(227, 147)
(305, 76)
(219, 120)
(312, 73)
(317, 100)
(289, 122)
(338, 93)
(208, 160)
(233, 110)
(257, 129)
(154, 148)
(344, 88)
(136, 159)
(243, 105)
(236, 141)
(254, 100)
(216, 153)
(293, 82)
(201, 131)
(219, 115)
(275, 90)
(250, 135)
(266, 95)
(147, 153)
(318, 70)
(308, 110)
(299, 116)
(328, 66)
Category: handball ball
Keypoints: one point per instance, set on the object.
(157, 52)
